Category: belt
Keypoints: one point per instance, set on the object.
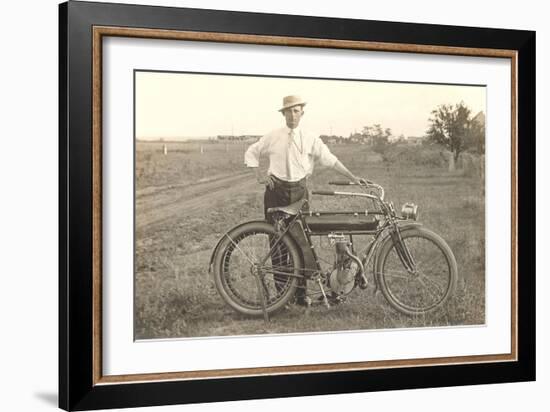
(284, 183)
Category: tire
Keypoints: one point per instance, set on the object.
(234, 279)
(435, 278)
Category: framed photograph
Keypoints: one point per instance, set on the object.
(257, 206)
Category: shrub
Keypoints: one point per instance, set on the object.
(431, 156)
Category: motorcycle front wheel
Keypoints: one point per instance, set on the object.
(253, 272)
(431, 280)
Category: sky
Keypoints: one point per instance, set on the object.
(185, 105)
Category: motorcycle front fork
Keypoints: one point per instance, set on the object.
(403, 251)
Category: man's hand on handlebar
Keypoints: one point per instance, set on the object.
(361, 181)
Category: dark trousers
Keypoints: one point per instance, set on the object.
(284, 194)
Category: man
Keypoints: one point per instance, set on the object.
(292, 154)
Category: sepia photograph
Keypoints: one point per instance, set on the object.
(273, 205)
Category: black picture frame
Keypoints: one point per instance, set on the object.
(78, 389)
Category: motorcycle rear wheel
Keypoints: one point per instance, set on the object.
(241, 277)
(433, 281)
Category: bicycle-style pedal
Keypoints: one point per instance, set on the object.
(363, 282)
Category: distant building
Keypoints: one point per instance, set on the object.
(357, 138)
(415, 140)
(241, 138)
(332, 139)
(479, 143)
(479, 119)
(400, 139)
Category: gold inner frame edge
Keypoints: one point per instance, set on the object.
(100, 31)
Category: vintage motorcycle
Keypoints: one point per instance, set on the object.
(257, 266)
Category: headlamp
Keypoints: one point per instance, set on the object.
(409, 211)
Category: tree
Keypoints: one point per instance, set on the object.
(452, 127)
(367, 134)
(381, 139)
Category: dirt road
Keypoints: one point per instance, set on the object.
(157, 205)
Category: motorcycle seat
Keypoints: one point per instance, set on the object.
(291, 209)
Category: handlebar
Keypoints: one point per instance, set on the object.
(323, 192)
(348, 183)
(369, 185)
(341, 183)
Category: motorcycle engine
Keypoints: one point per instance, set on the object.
(342, 277)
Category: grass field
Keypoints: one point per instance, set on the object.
(186, 200)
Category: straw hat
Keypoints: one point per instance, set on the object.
(291, 101)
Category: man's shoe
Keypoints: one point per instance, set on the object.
(332, 299)
(303, 301)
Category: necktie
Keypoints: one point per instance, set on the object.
(289, 147)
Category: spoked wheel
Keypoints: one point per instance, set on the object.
(245, 279)
(426, 283)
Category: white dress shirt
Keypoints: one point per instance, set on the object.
(302, 151)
